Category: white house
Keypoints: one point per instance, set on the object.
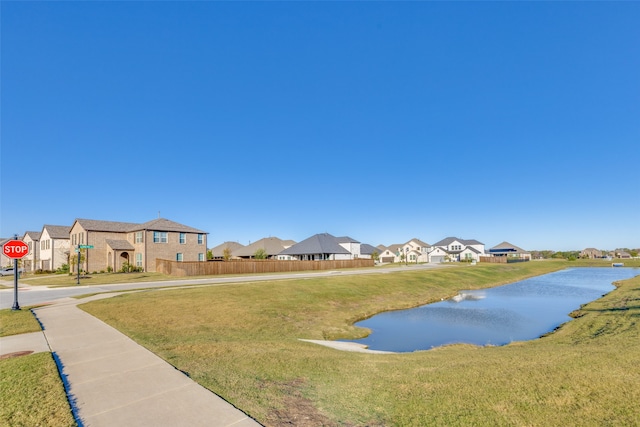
(54, 247)
(31, 261)
(456, 249)
(414, 251)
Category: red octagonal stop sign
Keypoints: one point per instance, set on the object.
(15, 249)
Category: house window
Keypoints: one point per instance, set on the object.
(179, 257)
(183, 238)
(138, 260)
(200, 257)
(160, 237)
(139, 238)
(200, 239)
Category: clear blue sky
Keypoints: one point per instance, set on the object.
(383, 121)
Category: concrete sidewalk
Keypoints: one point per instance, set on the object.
(113, 381)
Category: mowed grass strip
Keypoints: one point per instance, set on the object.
(13, 322)
(242, 342)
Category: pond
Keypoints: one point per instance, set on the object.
(519, 311)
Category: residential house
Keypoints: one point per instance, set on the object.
(353, 246)
(321, 247)
(414, 251)
(272, 246)
(591, 253)
(367, 251)
(30, 261)
(509, 250)
(456, 249)
(114, 245)
(54, 247)
(390, 253)
(623, 254)
(218, 252)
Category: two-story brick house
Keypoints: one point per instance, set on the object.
(116, 244)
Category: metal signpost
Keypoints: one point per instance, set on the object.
(15, 249)
(79, 253)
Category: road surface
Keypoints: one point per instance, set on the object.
(36, 295)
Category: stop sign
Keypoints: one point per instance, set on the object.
(15, 249)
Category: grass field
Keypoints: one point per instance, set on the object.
(60, 280)
(243, 343)
(31, 392)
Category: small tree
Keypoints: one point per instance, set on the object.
(375, 256)
(226, 253)
(73, 260)
(260, 254)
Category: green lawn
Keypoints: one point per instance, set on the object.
(60, 280)
(31, 392)
(242, 342)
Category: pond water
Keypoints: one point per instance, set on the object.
(519, 311)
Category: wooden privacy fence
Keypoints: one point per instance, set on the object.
(214, 268)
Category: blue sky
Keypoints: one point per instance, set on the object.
(383, 121)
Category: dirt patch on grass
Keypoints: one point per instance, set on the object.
(15, 354)
(296, 409)
(300, 411)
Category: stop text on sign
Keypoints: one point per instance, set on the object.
(15, 249)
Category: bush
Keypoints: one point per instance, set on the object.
(64, 268)
(128, 268)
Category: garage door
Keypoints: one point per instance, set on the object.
(436, 259)
(387, 259)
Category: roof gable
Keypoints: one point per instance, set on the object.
(108, 226)
(271, 245)
(57, 231)
(33, 235)
(163, 224)
(450, 240)
(323, 243)
(507, 247)
(218, 251)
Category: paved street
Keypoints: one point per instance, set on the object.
(35, 295)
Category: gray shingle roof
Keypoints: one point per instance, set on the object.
(110, 226)
(420, 242)
(366, 249)
(57, 231)
(508, 246)
(119, 245)
(218, 251)
(449, 240)
(323, 243)
(272, 245)
(159, 224)
(162, 224)
(35, 235)
(346, 239)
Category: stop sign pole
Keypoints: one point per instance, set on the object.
(15, 249)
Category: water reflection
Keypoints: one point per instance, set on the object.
(519, 311)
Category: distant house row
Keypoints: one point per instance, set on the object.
(324, 246)
(318, 247)
(596, 253)
(111, 246)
